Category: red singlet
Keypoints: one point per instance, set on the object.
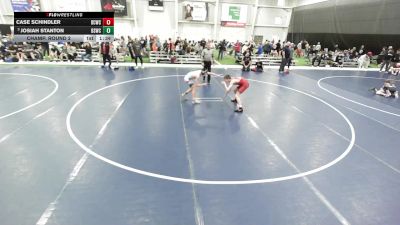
(242, 85)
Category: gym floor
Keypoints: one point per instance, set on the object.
(80, 145)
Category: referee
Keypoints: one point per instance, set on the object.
(207, 58)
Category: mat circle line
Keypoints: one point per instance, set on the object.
(208, 182)
(36, 103)
(353, 101)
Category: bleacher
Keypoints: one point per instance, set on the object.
(163, 57)
(266, 60)
(347, 64)
(96, 56)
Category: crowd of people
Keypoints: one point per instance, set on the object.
(244, 52)
(389, 58)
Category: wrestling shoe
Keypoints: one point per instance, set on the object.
(239, 110)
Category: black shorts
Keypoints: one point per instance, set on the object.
(207, 66)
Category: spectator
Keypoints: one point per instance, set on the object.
(395, 57)
(221, 49)
(317, 57)
(237, 48)
(336, 48)
(285, 57)
(258, 67)
(202, 44)
(178, 41)
(122, 45)
(318, 47)
(252, 45)
(71, 52)
(105, 51)
(178, 49)
(143, 43)
(54, 52)
(303, 46)
(387, 56)
(64, 52)
(339, 60)
(291, 53)
(154, 46)
(45, 47)
(212, 44)
(364, 60)
(38, 52)
(346, 56)
(88, 52)
(381, 56)
(165, 46)
(307, 49)
(170, 46)
(260, 49)
(278, 47)
(353, 53)
(246, 63)
(184, 45)
(266, 47)
(245, 48)
(137, 51)
(11, 57)
(361, 51)
(130, 49)
(2, 51)
(299, 51)
(158, 43)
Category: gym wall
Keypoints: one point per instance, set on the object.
(271, 19)
(348, 23)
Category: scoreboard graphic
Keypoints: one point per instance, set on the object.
(63, 26)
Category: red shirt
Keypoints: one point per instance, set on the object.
(237, 47)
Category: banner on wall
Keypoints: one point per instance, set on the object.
(116, 6)
(70, 5)
(25, 5)
(156, 5)
(195, 11)
(233, 15)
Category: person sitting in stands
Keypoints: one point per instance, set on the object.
(258, 67)
(54, 52)
(88, 52)
(317, 57)
(246, 62)
(11, 57)
(339, 60)
(64, 55)
(71, 52)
